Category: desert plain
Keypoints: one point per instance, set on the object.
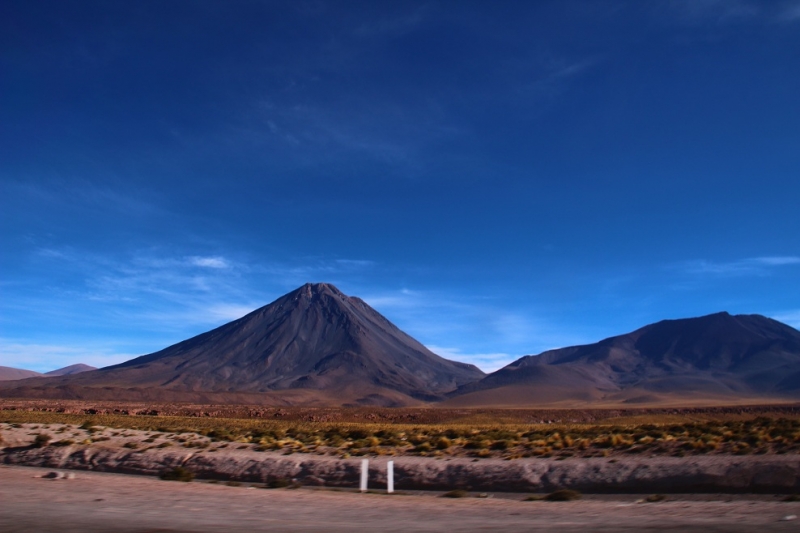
(734, 468)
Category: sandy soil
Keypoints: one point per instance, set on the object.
(93, 502)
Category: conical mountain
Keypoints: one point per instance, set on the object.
(717, 357)
(313, 339)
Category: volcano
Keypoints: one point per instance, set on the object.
(313, 346)
(718, 358)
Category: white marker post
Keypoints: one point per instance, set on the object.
(390, 477)
(364, 474)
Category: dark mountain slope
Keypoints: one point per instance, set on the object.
(314, 338)
(710, 357)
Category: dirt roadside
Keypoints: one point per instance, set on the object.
(93, 502)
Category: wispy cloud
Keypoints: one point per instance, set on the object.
(790, 12)
(398, 299)
(725, 12)
(161, 299)
(743, 267)
(720, 11)
(389, 132)
(210, 262)
(399, 24)
(488, 362)
(777, 261)
(47, 357)
(469, 329)
(791, 317)
(150, 296)
(201, 290)
(76, 194)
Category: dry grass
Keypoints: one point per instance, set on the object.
(177, 474)
(759, 435)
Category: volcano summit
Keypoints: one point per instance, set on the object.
(315, 345)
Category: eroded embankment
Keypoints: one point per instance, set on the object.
(775, 474)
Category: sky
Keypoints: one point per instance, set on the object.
(496, 178)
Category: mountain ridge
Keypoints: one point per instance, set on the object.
(313, 338)
(711, 356)
(316, 346)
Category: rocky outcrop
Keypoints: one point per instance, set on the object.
(743, 474)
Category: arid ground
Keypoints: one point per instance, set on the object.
(715, 469)
(94, 502)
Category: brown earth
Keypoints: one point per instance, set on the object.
(430, 414)
(95, 502)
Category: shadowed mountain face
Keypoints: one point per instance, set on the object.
(711, 357)
(312, 339)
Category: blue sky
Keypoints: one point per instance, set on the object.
(497, 178)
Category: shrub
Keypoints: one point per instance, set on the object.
(478, 443)
(357, 434)
(278, 483)
(423, 447)
(41, 440)
(132, 445)
(655, 498)
(501, 445)
(563, 495)
(458, 493)
(64, 442)
(534, 498)
(177, 474)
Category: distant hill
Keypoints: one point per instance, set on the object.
(313, 346)
(7, 373)
(69, 370)
(714, 358)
